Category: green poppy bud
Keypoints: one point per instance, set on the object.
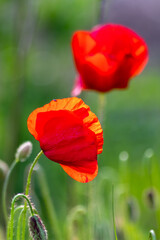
(150, 197)
(24, 151)
(152, 235)
(3, 169)
(132, 209)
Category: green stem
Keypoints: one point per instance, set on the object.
(91, 209)
(4, 190)
(72, 216)
(48, 204)
(21, 207)
(10, 224)
(114, 224)
(31, 170)
(27, 192)
(18, 208)
(92, 214)
(101, 107)
(19, 225)
(155, 214)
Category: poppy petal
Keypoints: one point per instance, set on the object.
(71, 104)
(83, 177)
(82, 44)
(121, 41)
(101, 64)
(65, 138)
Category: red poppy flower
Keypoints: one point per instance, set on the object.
(107, 57)
(69, 134)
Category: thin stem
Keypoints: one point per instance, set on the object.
(101, 107)
(19, 225)
(27, 191)
(21, 207)
(18, 208)
(114, 224)
(30, 172)
(150, 166)
(4, 190)
(91, 212)
(92, 185)
(72, 216)
(10, 224)
(48, 204)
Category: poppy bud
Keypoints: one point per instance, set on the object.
(132, 208)
(24, 151)
(37, 228)
(150, 198)
(3, 169)
(152, 235)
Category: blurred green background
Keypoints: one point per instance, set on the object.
(36, 66)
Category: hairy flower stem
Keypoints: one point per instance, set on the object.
(4, 190)
(19, 225)
(27, 192)
(10, 224)
(30, 172)
(48, 204)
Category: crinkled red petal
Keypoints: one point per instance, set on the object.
(75, 105)
(83, 177)
(69, 134)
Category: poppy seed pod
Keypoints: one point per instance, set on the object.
(107, 57)
(24, 151)
(37, 228)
